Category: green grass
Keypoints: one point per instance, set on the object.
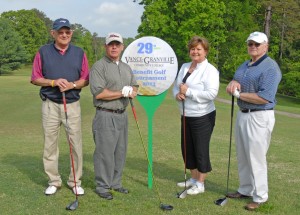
(284, 103)
(23, 180)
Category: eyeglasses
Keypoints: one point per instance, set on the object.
(255, 44)
(64, 32)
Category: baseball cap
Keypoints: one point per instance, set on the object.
(258, 37)
(113, 37)
(61, 22)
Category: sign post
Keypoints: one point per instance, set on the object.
(154, 65)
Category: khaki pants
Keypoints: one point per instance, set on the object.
(53, 117)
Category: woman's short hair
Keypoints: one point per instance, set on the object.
(196, 40)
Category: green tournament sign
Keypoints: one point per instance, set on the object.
(154, 65)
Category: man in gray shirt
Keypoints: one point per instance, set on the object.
(112, 85)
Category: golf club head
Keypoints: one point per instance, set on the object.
(182, 195)
(72, 206)
(166, 207)
(221, 202)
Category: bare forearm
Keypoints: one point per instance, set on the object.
(43, 82)
(63, 84)
(109, 95)
(81, 83)
(252, 98)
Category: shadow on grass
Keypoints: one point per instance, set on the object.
(28, 165)
(32, 167)
(167, 172)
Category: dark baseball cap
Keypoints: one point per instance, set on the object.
(61, 22)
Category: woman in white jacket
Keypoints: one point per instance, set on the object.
(195, 89)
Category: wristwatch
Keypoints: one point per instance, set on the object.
(74, 85)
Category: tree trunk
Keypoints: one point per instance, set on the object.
(267, 23)
(282, 35)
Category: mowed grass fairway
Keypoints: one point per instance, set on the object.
(23, 181)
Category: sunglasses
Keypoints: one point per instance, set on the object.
(255, 44)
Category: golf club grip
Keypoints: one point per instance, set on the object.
(133, 109)
(65, 107)
(231, 121)
(232, 105)
(64, 101)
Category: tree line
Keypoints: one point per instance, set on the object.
(23, 32)
(225, 23)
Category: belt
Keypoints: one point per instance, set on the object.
(253, 110)
(111, 111)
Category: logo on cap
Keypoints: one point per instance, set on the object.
(61, 22)
(258, 37)
(113, 37)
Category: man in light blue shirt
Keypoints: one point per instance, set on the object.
(254, 85)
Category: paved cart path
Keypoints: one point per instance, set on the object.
(292, 115)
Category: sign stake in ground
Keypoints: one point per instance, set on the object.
(154, 65)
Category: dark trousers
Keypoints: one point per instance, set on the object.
(198, 133)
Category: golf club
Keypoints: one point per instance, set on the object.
(161, 205)
(73, 205)
(223, 201)
(183, 194)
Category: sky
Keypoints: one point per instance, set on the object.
(99, 16)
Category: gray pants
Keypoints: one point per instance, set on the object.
(110, 132)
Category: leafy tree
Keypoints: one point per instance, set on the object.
(285, 24)
(240, 21)
(176, 21)
(97, 47)
(12, 52)
(48, 22)
(30, 27)
(285, 42)
(83, 38)
(203, 18)
(159, 20)
(290, 84)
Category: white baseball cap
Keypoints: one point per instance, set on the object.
(113, 37)
(258, 37)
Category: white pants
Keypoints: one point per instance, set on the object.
(253, 135)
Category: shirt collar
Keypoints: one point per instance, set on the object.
(62, 52)
(259, 61)
(110, 60)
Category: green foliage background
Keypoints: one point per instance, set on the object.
(225, 23)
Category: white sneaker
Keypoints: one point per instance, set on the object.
(196, 189)
(189, 183)
(80, 190)
(51, 190)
